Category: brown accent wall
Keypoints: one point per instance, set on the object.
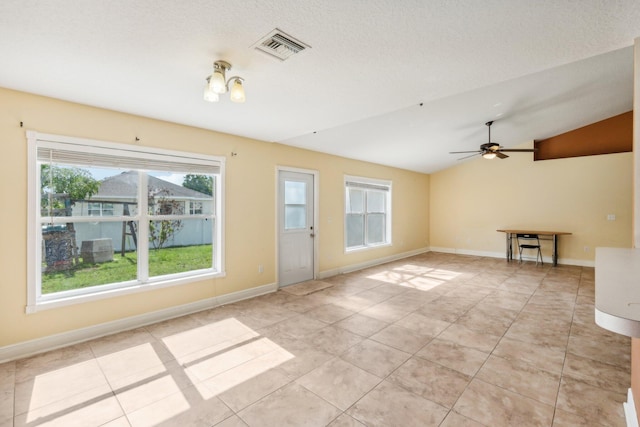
(612, 135)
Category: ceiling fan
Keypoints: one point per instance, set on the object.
(491, 150)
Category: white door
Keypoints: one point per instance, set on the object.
(296, 228)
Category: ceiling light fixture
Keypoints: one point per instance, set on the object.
(218, 84)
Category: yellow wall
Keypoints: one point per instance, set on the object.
(250, 209)
(455, 209)
(469, 202)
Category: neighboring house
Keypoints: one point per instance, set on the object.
(117, 196)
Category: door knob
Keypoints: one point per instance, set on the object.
(312, 235)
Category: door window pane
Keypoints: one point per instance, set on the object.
(295, 217)
(295, 205)
(295, 193)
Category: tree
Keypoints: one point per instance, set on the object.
(66, 183)
(201, 183)
(160, 232)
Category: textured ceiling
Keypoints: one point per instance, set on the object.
(396, 82)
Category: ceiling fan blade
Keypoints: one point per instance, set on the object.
(466, 157)
(500, 155)
(464, 152)
(520, 150)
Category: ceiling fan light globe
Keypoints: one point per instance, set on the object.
(237, 92)
(489, 155)
(210, 95)
(217, 83)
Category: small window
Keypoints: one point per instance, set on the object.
(99, 209)
(195, 208)
(107, 218)
(367, 213)
(95, 209)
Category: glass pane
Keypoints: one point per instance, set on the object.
(94, 209)
(376, 229)
(80, 255)
(355, 201)
(86, 191)
(295, 193)
(376, 201)
(177, 246)
(295, 217)
(106, 209)
(355, 230)
(180, 194)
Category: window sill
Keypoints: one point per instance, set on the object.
(50, 303)
(366, 248)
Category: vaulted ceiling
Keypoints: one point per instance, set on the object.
(395, 82)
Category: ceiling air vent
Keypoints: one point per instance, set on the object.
(280, 45)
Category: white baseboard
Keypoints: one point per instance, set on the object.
(546, 259)
(371, 263)
(52, 342)
(459, 251)
(630, 410)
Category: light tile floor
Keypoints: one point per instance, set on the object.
(432, 340)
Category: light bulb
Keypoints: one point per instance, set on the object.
(237, 91)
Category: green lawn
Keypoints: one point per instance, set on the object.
(161, 261)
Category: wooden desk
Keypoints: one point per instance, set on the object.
(553, 234)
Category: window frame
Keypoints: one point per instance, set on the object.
(36, 301)
(368, 184)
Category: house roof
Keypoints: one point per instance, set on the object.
(395, 82)
(126, 185)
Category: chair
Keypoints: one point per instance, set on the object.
(530, 241)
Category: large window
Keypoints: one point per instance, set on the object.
(367, 212)
(109, 219)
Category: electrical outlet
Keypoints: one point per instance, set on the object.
(260, 269)
(611, 217)
(586, 248)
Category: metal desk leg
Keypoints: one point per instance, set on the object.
(509, 252)
(555, 250)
